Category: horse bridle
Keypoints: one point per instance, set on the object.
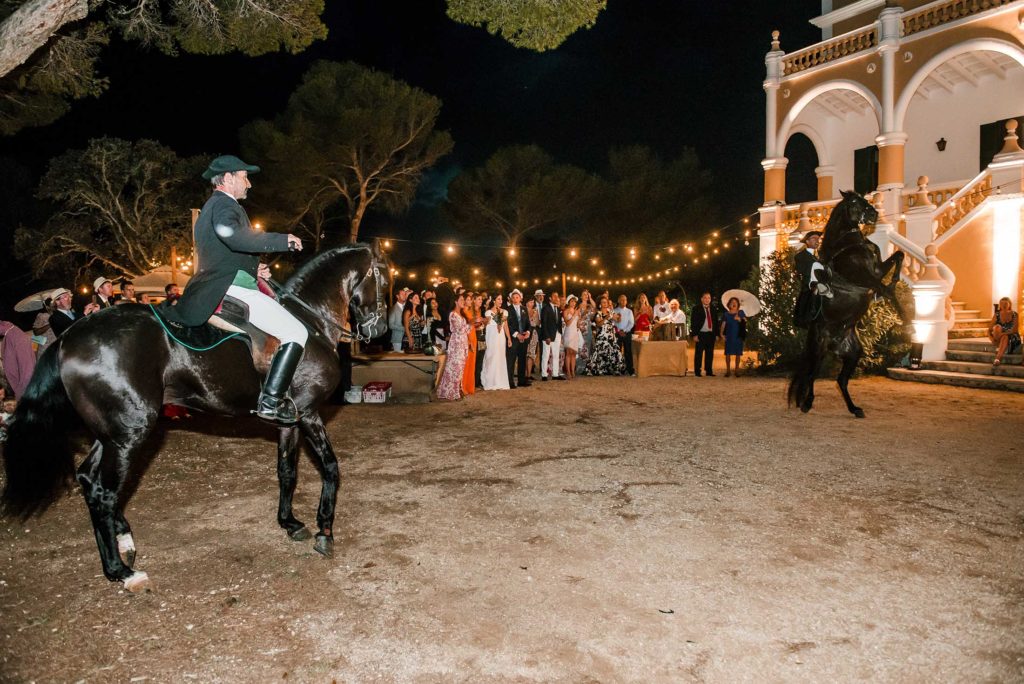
(376, 266)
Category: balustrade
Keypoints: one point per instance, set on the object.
(937, 14)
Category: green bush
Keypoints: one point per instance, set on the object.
(780, 344)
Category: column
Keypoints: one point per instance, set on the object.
(825, 175)
(930, 325)
(774, 166)
(920, 229)
(1007, 170)
(891, 142)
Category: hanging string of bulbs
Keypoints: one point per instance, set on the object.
(672, 259)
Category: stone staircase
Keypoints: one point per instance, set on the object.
(968, 323)
(969, 359)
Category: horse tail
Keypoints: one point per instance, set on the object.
(799, 380)
(38, 459)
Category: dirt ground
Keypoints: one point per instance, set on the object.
(604, 530)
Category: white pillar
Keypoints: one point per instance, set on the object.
(920, 217)
(773, 67)
(888, 43)
(931, 328)
(1007, 170)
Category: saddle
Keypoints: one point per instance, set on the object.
(229, 322)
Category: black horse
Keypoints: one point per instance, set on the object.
(856, 273)
(115, 368)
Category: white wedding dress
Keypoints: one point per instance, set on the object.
(494, 374)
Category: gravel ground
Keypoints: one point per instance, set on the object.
(602, 530)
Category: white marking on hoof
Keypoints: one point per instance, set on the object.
(138, 582)
(125, 543)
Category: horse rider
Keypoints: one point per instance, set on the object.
(812, 274)
(227, 250)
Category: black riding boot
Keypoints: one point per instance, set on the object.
(275, 406)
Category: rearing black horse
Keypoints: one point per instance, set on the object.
(115, 368)
(856, 272)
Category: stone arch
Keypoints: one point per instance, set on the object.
(798, 107)
(975, 45)
(812, 134)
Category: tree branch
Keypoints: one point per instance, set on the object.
(32, 25)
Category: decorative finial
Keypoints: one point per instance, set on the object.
(1010, 144)
(775, 40)
(921, 196)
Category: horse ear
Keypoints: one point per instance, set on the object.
(847, 194)
(377, 248)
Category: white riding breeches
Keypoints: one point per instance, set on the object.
(270, 317)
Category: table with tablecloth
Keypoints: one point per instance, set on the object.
(659, 358)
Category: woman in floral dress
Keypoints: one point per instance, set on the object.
(606, 358)
(450, 387)
(587, 310)
(534, 346)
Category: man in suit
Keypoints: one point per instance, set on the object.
(227, 249)
(704, 329)
(519, 329)
(551, 338)
(63, 315)
(811, 273)
(102, 297)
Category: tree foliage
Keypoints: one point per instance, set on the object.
(651, 199)
(534, 24)
(49, 49)
(349, 134)
(121, 206)
(519, 191)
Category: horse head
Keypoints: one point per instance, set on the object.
(369, 296)
(857, 209)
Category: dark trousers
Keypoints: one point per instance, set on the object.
(626, 340)
(479, 360)
(517, 354)
(705, 348)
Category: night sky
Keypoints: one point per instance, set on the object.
(664, 74)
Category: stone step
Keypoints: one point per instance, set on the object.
(980, 356)
(937, 377)
(1005, 369)
(961, 333)
(961, 314)
(979, 343)
(959, 305)
(975, 323)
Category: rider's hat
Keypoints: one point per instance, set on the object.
(809, 234)
(228, 163)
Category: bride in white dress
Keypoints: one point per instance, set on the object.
(494, 375)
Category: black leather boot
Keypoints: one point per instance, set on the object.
(275, 406)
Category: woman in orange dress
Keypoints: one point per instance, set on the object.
(473, 303)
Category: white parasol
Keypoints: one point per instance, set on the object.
(748, 302)
(32, 302)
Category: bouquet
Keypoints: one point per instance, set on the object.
(499, 317)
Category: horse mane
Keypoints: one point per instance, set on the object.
(321, 272)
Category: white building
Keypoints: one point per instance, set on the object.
(919, 102)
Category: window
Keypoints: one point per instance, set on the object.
(865, 169)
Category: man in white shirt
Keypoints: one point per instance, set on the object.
(662, 309)
(624, 323)
(395, 323)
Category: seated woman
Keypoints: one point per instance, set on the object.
(1003, 330)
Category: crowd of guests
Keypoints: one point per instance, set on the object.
(494, 343)
(19, 349)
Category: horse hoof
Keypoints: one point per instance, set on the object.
(859, 413)
(301, 534)
(324, 546)
(138, 583)
(126, 549)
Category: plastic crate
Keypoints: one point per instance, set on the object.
(376, 392)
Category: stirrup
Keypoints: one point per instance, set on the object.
(824, 290)
(279, 411)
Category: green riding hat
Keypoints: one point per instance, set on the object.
(228, 163)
